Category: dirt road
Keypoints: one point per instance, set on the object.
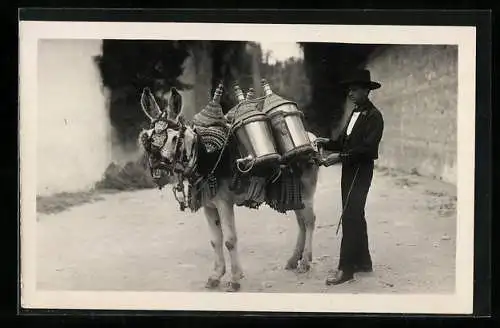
(139, 241)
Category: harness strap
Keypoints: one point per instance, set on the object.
(178, 190)
(180, 140)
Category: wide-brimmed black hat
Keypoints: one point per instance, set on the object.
(361, 77)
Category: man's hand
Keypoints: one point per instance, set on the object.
(327, 144)
(320, 141)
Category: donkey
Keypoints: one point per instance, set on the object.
(219, 211)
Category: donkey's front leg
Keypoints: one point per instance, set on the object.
(226, 211)
(308, 216)
(214, 224)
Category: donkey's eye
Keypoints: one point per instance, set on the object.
(174, 139)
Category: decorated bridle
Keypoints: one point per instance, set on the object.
(178, 168)
(181, 165)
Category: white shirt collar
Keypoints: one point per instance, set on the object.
(353, 120)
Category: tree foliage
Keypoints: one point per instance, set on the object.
(288, 79)
(326, 64)
(126, 67)
(230, 63)
(137, 64)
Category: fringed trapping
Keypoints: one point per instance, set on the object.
(285, 194)
(201, 191)
(249, 190)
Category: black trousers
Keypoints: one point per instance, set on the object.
(354, 250)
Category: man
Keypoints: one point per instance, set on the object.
(358, 146)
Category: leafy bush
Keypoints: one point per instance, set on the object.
(134, 175)
(62, 201)
(131, 176)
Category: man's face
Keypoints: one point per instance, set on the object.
(358, 94)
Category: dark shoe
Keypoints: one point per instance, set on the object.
(339, 277)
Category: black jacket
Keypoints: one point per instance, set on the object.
(363, 142)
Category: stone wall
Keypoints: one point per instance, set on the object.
(419, 103)
(418, 100)
(74, 143)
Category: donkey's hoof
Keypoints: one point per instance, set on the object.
(303, 267)
(233, 286)
(212, 283)
(291, 264)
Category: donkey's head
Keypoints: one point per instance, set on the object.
(169, 141)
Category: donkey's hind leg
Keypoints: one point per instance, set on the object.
(214, 223)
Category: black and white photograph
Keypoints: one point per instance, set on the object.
(247, 167)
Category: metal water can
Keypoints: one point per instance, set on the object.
(254, 135)
(287, 125)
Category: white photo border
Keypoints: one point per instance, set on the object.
(460, 302)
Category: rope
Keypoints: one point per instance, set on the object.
(277, 176)
(253, 160)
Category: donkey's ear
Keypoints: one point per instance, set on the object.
(174, 103)
(149, 104)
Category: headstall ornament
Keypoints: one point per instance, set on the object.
(178, 167)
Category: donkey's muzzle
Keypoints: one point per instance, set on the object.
(160, 174)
